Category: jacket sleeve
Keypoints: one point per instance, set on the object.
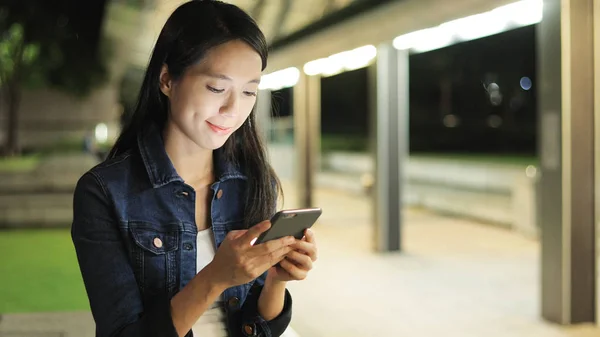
(253, 324)
(112, 290)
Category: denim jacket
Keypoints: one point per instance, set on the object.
(135, 237)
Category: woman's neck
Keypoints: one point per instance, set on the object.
(193, 164)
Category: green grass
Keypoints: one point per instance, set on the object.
(505, 159)
(19, 164)
(358, 144)
(346, 143)
(39, 272)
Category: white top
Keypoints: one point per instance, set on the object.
(212, 322)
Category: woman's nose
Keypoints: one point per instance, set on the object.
(231, 106)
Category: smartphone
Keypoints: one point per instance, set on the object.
(291, 222)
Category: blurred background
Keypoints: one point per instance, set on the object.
(451, 145)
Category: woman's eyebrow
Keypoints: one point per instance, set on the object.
(227, 78)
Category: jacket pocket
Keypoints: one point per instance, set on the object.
(155, 241)
(154, 254)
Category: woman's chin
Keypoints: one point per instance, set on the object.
(213, 143)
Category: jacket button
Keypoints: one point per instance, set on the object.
(233, 302)
(219, 194)
(188, 246)
(157, 243)
(248, 330)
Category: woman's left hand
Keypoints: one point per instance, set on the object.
(297, 263)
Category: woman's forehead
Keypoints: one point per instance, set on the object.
(230, 61)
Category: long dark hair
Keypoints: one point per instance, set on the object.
(190, 32)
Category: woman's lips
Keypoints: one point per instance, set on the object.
(218, 129)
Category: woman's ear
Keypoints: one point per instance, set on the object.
(165, 81)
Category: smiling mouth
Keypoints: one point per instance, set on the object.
(217, 128)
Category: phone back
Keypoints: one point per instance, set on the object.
(291, 222)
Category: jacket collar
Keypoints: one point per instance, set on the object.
(160, 169)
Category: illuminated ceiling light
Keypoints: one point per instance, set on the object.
(475, 26)
(315, 67)
(431, 39)
(406, 41)
(347, 60)
(334, 64)
(360, 57)
(515, 15)
(280, 79)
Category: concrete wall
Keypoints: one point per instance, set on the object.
(47, 116)
(44, 196)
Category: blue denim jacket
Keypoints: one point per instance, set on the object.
(120, 208)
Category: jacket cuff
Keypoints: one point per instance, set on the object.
(160, 320)
(253, 325)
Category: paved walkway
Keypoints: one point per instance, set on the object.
(454, 279)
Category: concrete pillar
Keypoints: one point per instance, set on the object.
(307, 134)
(597, 146)
(566, 191)
(263, 114)
(389, 92)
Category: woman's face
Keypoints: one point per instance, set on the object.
(214, 97)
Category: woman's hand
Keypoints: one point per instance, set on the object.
(298, 262)
(237, 261)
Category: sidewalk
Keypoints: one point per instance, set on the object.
(455, 278)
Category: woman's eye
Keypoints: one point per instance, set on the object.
(250, 93)
(215, 90)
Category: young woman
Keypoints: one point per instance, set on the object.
(163, 229)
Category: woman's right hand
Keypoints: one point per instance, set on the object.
(237, 261)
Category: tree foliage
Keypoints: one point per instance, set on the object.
(15, 52)
(49, 44)
(61, 42)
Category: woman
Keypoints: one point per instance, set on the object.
(188, 175)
